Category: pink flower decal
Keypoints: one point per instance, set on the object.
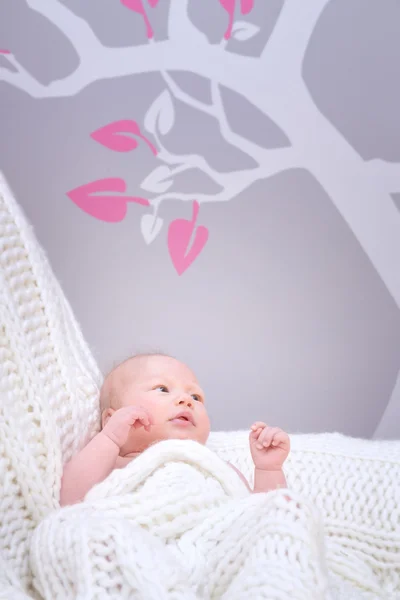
(246, 6)
(137, 6)
(229, 5)
(5, 52)
(113, 136)
(109, 208)
(180, 232)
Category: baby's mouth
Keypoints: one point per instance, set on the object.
(183, 418)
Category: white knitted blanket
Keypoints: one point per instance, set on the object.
(179, 523)
(49, 387)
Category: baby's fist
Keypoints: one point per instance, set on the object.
(120, 423)
(269, 446)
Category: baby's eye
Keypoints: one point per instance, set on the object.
(162, 388)
(196, 397)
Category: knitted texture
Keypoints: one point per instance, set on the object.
(184, 505)
(49, 386)
(179, 523)
(355, 484)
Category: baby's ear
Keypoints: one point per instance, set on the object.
(105, 415)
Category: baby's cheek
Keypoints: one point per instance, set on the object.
(144, 402)
(203, 425)
(155, 409)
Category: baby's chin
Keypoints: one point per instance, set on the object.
(183, 435)
(187, 434)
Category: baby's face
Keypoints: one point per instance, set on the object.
(170, 393)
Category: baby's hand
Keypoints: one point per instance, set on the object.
(121, 422)
(269, 446)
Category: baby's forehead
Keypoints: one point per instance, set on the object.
(153, 366)
(160, 366)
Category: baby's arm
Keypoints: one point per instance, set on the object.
(266, 481)
(269, 448)
(93, 464)
(242, 477)
(96, 461)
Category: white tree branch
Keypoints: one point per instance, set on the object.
(245, 145)
(269, 162)
(98, 62)
(217, 111)
(186, 50)
(76, 29)
(236, 182)
(180, 27)
(273, 85)
(179, 94)
(388, 427)
(103, 63)
(82, 38)
(287, 45)
(387, 174)
(20, 78)
(191, 53)
(189, 161)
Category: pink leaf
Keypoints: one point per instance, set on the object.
(106, 208)
(229, 6)
(246, 6)
(5, 52)
(112, 136)
(152, 3)
(180, 232)
(137, 6)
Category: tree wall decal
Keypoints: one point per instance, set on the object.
(360, 189)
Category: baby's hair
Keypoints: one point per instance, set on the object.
(108, 392)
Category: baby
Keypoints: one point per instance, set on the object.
(149, 398)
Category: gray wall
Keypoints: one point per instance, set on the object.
(266, 250)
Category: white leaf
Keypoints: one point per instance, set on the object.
(242, 30)
(161, 114)
(150, 227)
(154, 181)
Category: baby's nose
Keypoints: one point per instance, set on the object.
(186, 401)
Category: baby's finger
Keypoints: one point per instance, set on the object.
(141, 419)
(256, 434)
(278, 438)
(257, 425)
(144, 414)
(149, 415)
(138, 424)
(266, 437)
(149, 426)
(144, 418)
